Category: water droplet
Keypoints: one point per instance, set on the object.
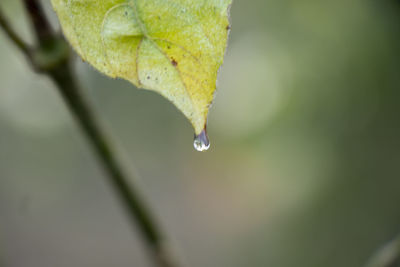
(201, 142)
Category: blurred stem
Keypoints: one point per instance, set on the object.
(53, 59)
(13, 35)
(387, 256)
(43, 31)
(106, 153)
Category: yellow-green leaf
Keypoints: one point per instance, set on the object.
(174, 47)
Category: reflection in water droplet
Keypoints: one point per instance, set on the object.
(201, 142)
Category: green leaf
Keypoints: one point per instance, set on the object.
(174, 47)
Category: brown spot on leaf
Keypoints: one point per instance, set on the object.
(228, 27)
(174, 63)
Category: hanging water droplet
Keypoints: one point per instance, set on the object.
(201, 142)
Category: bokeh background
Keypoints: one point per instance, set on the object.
(304, 168)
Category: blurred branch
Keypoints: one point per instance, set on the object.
(14, 37)
(387, 256)
(51, 57)
(41, 25)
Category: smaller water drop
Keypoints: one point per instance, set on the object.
(201, 142)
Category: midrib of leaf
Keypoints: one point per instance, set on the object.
(192, 16)
(104, 45)
(145, 34)
(137, 60)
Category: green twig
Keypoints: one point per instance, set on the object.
(53, 59)
(78, 105)
(14, 37)
(43, 31)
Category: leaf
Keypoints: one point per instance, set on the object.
(174, 47)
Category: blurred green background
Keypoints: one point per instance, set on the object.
(304, 168)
